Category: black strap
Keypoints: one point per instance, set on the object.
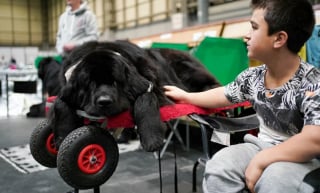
(160, 171)
(175, 166)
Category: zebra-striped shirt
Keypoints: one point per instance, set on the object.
(283, 111)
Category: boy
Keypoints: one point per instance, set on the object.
(285, 95)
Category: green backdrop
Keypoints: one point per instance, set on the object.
(224, 58)
(177, 46)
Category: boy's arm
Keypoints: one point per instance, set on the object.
(301, 147)
(212, 98)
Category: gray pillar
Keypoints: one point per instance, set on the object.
(181, 11)
(203, 9)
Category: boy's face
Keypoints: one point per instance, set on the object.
(259, 44)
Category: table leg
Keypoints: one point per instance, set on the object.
(7, 93)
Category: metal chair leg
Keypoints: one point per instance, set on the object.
(96, 189)
(194, 176)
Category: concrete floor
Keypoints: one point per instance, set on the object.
(137, 171)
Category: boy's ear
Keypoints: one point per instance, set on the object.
(281, 38)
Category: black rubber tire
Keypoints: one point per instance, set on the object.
(71, 148)
(38, 148)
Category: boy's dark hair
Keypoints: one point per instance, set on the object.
(296, 17)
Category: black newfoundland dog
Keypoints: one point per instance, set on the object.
(107, 78)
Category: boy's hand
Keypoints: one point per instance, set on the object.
(175, 93)
(254, 171)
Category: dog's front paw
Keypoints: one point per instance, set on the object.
(151, 143)
(151, 136)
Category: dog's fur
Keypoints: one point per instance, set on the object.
(48, 72)
(112, 77)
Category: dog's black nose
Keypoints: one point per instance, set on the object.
(104, 100)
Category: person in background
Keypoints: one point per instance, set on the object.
(76, 26)
(284, 92)
(13, 63)
(3, 62)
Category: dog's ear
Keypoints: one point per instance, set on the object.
(75, 91)
(126, 75)
(137, 85)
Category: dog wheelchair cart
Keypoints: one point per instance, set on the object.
(89, 155)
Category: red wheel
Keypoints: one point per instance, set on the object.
(50, 145)
(87, 157)
(42, 146)
(91, 159)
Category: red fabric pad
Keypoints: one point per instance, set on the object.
(167, 113)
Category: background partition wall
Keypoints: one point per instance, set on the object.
(21, 22)
(34, 22)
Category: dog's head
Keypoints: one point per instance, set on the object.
(104, 83)
(44, 67)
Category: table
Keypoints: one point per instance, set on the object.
(14, 73)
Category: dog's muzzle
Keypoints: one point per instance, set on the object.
(103, 101)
